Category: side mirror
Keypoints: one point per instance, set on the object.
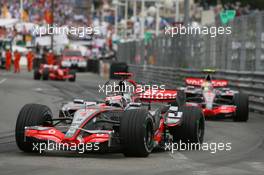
(173, 108)
(78, 101)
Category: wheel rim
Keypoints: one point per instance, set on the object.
(149, 136)
(200, 130)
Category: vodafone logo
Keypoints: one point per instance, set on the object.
(199, 82)
(52, 131)
(195, 82)
(219, 83)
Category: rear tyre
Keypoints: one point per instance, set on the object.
(31, 115)
(37, 75)
(241, 102)
(82, 69)
(136, 132)
(192, 128)
(73, 73)
(46, 74)
(180, 99)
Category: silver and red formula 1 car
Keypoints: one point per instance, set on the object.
(54, 72)
(215, 98)
(124, 121)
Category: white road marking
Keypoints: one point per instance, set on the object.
(257, 165)
(38, 89)
(178, 156)
(3, 80)
(44, 89)
(200, 172)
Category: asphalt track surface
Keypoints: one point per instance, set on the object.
(245, 157)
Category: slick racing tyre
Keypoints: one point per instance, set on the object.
(180, 99)
(136, 132)
(73, 73)
(46, 74)
(37, 75)
(241, 102)
(31, 115)
(192, 128)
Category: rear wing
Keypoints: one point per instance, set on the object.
(200, 81)
(123, 75)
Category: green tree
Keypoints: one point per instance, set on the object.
(255, 4)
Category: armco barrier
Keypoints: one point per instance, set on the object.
(93, 65)
(251, 83)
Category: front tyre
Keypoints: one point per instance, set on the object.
(73, 74)
(192, 127)
(241, 102)
(30, 115)
(180, 99)
(137, 133)
(46, 74)
(37, 75)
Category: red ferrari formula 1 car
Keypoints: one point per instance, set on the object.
(54, 72)
(122, 122)
(215, 98)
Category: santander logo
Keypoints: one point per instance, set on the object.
(159, 94)
(199, 82)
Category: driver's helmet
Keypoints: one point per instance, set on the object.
(207, 86)
(121, 88)
(125, 87)
(117, 101)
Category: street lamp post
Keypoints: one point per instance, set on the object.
(142, 18)
(135, 8)
(186, 12)
(158, 5)
(21, 8)
(52, 14)
(177, 11)
(115, 2)
(135, 15)
(126, 17)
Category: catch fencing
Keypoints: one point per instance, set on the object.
(251, 83)
(238, 57)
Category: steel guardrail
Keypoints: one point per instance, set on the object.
(251, 83)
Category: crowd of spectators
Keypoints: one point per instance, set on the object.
(240, 10)
(36, 11)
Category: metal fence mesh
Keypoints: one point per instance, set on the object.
(243, 50)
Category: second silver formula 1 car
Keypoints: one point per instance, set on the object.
(215, 98)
